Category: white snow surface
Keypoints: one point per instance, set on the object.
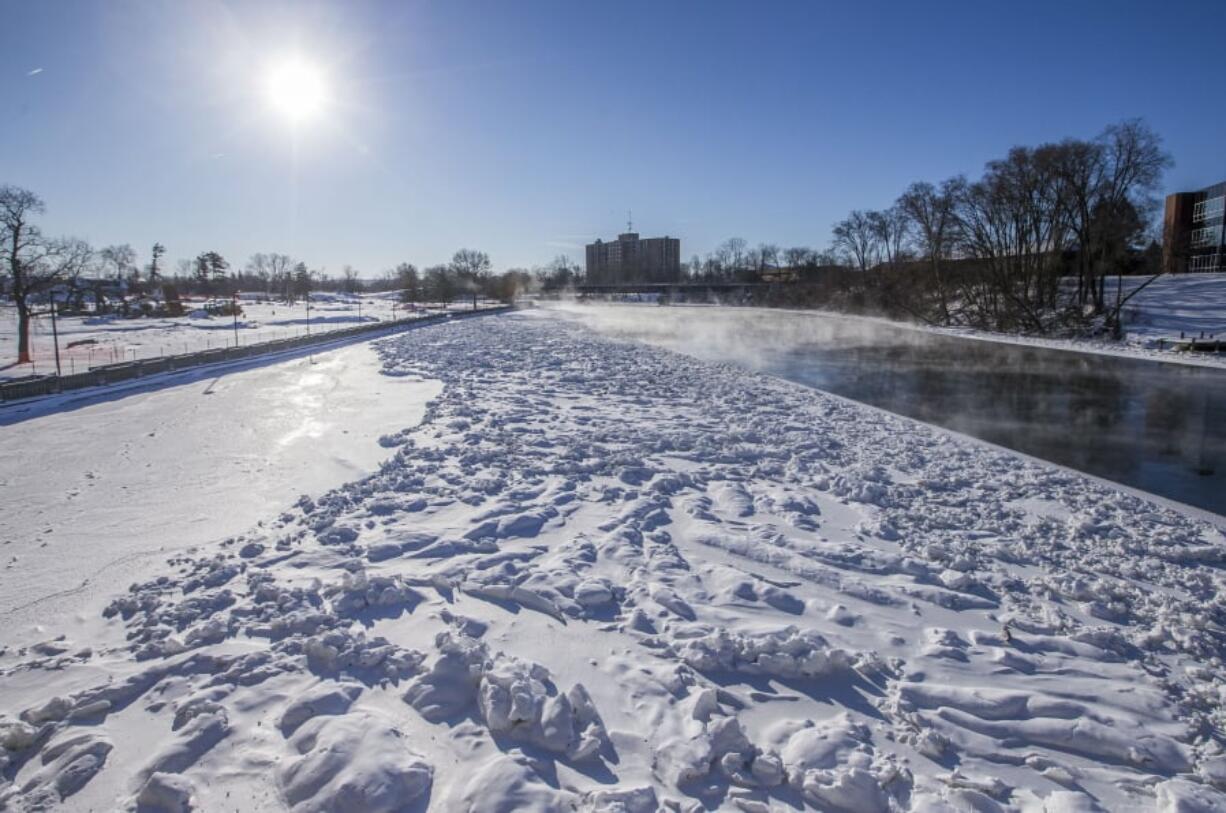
(600, 576)
(102, 485)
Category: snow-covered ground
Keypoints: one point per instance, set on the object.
(107, 339)
(1155, 320)
(105, 485)
(601, 576)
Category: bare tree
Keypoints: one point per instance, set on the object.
(736, 249)
(766, 257)
(890, 232)
(34, 264)
(798, 257)
(118, 261)
(280, 273)
(1104, 183)
(409, 282)
(719, 262)
(350, 282)
(439, 284)
(1015, 228)
(855, 237)
(559, 275)
(258, 267)
(472, 269)
(1133, 169)
(932, 212)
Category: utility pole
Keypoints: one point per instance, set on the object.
(234, 311)
(55, 335)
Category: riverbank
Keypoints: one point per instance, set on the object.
(1170, 310)
(604, 576)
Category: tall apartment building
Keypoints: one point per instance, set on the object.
(1192, 237)
(629, 259)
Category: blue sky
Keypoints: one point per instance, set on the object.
(528, 128)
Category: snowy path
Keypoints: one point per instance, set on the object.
(101, 492)
(605, 577)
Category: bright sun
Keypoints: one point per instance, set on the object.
(296, 89)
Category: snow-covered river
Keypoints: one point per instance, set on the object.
(1154, 426)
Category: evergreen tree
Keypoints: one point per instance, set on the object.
(155, 267)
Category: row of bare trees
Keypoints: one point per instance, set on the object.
(996, 252)
(470, 274)
(735, 260)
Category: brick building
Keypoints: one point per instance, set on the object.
(630, 259)
(1192, 235)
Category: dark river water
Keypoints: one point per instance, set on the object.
(1159, 427)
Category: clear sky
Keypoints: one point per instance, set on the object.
(528, 128)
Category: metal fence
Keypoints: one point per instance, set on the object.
(41, 385)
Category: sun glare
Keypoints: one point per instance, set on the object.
(296, 89)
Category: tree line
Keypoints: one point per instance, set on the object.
(470, 273)
(37, 269)
(1030, 245)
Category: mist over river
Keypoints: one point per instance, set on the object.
(1159, 427)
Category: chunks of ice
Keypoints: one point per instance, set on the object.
(788, 652)
(593, 593)
(323, 699)
(165, 793)
(515, 698)
(355, 763)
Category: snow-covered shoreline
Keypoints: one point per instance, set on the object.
(602, 576)
(1098, 347)
(1187, 304)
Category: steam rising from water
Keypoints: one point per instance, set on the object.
(1157, 427)
(751, 337)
